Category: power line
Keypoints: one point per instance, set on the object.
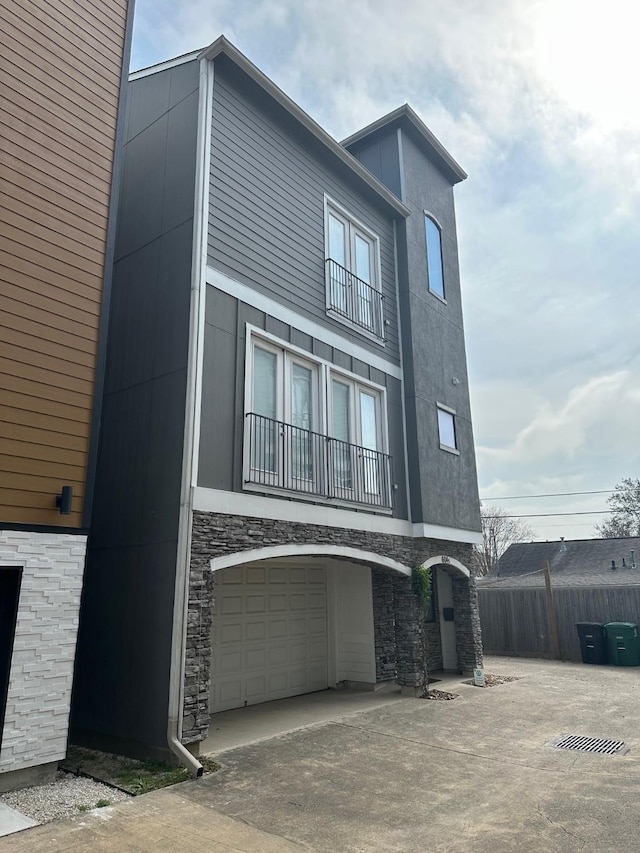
(551, 495)
(554, 514)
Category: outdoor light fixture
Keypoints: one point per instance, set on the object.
(63, 500)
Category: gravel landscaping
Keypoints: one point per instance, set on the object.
(493, 680)
(65, 797)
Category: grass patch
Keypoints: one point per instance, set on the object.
(128, 774)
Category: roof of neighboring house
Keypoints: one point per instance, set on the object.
(577, 562)
(407, 119)
(223, 47)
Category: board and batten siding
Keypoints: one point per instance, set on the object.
(223, 388)
(60, 64)
(266, 225)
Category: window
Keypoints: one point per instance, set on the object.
(434, 256)
(357, 462)
(447, 429)
(312, 428)
(284, 404)
(352, 272)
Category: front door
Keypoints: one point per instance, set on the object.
(447, 625)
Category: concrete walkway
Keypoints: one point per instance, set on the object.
(474, 774)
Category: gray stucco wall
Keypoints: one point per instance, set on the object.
(122, 671)
(443, 486)
(222, 417)
(267, 207)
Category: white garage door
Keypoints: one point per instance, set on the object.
(269, 634)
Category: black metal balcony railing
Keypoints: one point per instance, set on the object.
(288, 457)
(354, 299)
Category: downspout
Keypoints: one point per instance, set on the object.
(192, 419)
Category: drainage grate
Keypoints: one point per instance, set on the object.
(592, 744)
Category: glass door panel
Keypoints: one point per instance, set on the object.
(264, 455)
(363, 267)
(369, 440)
(341, 432)
(337, 271)
(301, 422)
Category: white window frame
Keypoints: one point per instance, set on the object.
(325, 372)
(438, 224)
(354, 226)
(440, 407)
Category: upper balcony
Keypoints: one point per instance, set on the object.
(354, 300)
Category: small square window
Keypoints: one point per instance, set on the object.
(447, 429)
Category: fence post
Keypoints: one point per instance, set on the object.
(551, 612)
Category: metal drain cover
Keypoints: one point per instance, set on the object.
(592, 744)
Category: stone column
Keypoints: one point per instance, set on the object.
(383, 624)
(197, 676)
(408, 636)
(468, 634)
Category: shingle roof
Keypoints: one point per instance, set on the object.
(579, 562)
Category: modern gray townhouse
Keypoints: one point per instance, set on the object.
(286, 428)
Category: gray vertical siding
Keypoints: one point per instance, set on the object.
(222, 418)
(267, 208)
(123, 659)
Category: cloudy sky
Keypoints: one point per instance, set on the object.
(538, 100)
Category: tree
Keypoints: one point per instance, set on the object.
(498, 532)
(625, 511)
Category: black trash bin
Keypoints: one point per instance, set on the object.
(593, 642)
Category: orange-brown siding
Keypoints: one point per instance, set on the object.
(60, 65)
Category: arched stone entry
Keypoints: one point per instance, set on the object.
(221, 541)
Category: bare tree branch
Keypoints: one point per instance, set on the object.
(498, 532)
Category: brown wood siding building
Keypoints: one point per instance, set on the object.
(60, 67)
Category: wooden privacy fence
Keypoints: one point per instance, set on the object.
(516, 621)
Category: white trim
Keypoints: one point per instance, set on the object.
(303, 324)
(444, 560)
(164, 66)
(273, 552)
(450, 534)
(192, 411)
(258, 506)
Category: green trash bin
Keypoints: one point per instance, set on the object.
(623, 643)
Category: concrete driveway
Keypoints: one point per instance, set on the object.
(474, 774)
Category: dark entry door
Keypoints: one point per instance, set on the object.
(10, 578)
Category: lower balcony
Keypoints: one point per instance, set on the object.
(287, 457)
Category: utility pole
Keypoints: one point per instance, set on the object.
(551, 612)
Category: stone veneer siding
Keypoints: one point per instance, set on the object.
(215, 534)
(39, 697)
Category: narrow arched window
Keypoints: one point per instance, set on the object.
(434, 257)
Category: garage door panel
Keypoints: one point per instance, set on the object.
(231, 604)
(269, 634)
(254, 631)
(277, 629)
(232, 576)
(255, 575)
(256, 603)
(298, 626)
(277, 576)
(231, 632)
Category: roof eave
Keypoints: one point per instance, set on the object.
(223, 46)
(451, 166)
